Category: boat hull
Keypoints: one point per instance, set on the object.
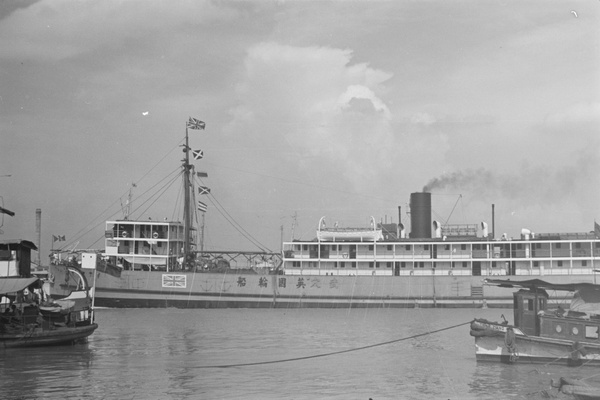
(492, 344)
(38, 336)
(251, 290)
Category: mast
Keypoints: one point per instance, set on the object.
(38, 230)
(127, 208)
(187, 219)
(196, 124)
(202, 235)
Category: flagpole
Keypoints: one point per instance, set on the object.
(186, 207)
(94, 296)
(192, 123)
(202, 237)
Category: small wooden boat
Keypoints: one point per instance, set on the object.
(540, 334)
(578, 388)
(28, 317)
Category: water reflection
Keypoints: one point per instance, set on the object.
(140, 354)
(523, 381)
(35, 372)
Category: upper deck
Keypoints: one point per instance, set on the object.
(546, 254)
(144, 244)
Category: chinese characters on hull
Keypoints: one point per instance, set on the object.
(282, 282)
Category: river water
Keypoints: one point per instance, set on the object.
(275, 354)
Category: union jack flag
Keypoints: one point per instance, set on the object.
(194, 123)
(174, 281)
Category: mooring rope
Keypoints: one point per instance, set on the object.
(334, 352)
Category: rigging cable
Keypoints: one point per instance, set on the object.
(336, 352)
(79, 235)
(235, 224)
(165, 187)
(116, 212)
(453, 208)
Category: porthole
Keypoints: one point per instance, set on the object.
(558, 328)
(575, 331)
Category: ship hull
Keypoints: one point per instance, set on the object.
(246, 290)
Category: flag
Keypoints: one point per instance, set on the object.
(203, 190)
(174, 281)
(202, 174)
(58, 238)
(198, 154)
(194, 123)
(202, 207)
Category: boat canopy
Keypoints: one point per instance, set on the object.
(586, 296)
(13, 243)
(540, 284)
(135, 259)
(12, 285)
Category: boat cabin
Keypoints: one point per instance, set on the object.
(527, 305)
(15, 258)
(581, 322)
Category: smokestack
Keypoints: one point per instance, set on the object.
(399, 215)
(420, 215)
(493, 223)
(38, 230)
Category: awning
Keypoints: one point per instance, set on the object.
(13, 285)
(539, 284)
(14, 243)
(586, 296)
(158, 261)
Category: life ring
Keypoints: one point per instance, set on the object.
(124, 234)
(155, 235)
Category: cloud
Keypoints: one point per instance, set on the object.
(579, 113)
(363, 92)
(423, 118)
(54, 30)
(330, 111)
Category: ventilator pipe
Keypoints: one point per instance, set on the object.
(437, 227)
(484, 229)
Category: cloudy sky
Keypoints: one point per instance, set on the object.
(312, 108)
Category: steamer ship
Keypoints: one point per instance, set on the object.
(434, 265)
(155, 263)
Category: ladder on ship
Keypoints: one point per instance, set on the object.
(476, 291)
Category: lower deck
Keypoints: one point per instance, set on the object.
(439, 267)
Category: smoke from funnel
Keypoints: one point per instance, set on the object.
(461, 179)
